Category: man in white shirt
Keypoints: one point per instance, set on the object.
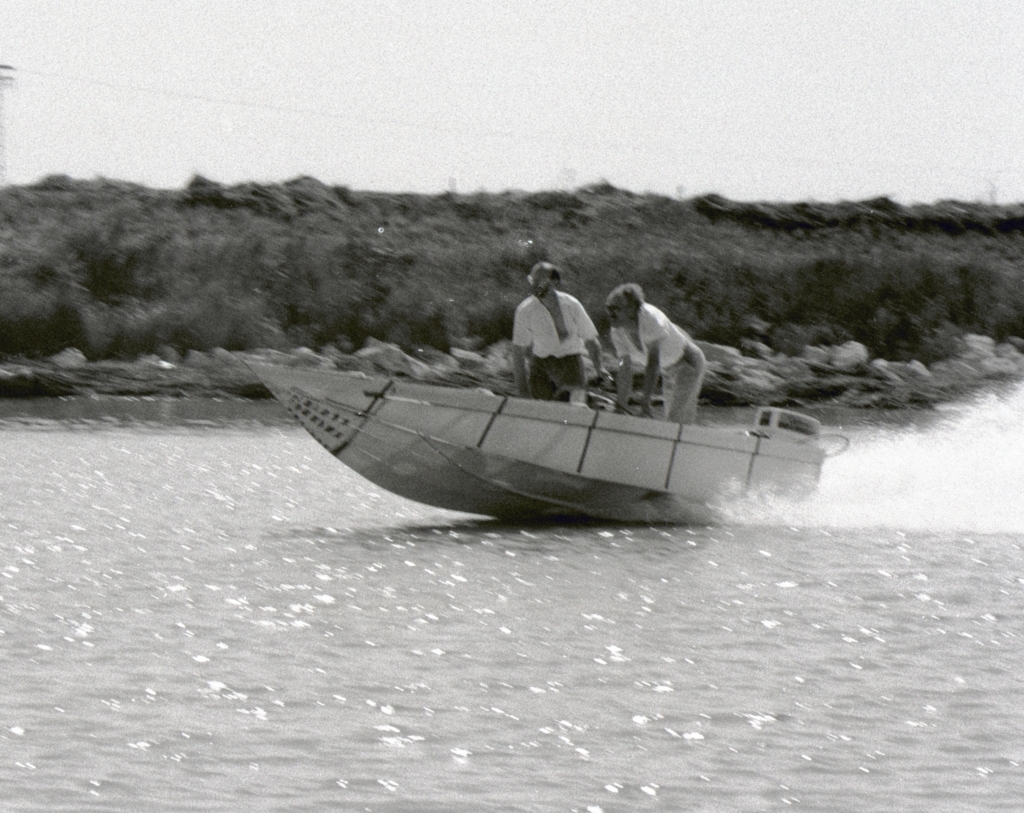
(645, 338)
(549, 336)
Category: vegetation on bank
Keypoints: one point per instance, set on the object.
(118, 270)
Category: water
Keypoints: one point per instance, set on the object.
(211, 614)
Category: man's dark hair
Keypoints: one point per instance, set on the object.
(553, 270)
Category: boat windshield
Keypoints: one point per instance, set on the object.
(798, 423)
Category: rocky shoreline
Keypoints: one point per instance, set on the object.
(756, 375)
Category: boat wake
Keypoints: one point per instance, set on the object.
(962, 473)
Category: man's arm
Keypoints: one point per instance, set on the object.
(651, 375)
(519, 370)
(624, 382)
(594, 349)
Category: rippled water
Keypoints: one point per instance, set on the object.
(221, 617)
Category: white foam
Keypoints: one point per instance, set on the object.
(964, 472)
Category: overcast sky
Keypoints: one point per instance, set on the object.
(761, 100)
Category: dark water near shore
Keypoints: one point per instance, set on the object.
(201, 610)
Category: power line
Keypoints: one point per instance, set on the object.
(649, 146)
(174, 94)
(415, 127)
(5, 79)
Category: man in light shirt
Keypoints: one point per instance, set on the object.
(550, 333)
(645, 338)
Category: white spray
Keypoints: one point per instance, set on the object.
(963, 473)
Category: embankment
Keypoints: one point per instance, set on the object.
(844, 374)
(126, 274)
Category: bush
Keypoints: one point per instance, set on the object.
(118, 269)
(36, 322)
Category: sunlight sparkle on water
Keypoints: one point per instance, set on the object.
(220, 619)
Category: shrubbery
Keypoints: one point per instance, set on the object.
(118, 270)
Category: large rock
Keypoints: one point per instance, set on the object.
(956, 370)
(390, 357)
(881, 369)
(305, 357)
(70, 359)
(154, 360)
(759, 381)
(977, 346)
(219, 357)
(909, 369)
(469, 359)
(813, 354)
(791, 369)
(224, 356)
(995, 367)
(988, 360)
(439, 362)
(169, 354)
(197, 358)
(1009, 351)
(848, 357)
(755, 348)
(727, 357)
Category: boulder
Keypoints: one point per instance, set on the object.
(909, 369)
(881, 369)
(812, 354)
(9, 373)
(155, 361)
(69, 359)
(431, 355)
(918, 369)
(390, 357)
(439, 362)
(955, 370)
(266, 354)
(469, 359)
(169, 354)
(848, 357)
(222, 355)
(342, 344)
(473, 343)
(310, 358)
(995, 367)
(1009, 351)
(334, 353)
(756, 348)
(18, 381)
(196, 358)
(791, 369)
(980, 357)
(728, 357)
(759, 380)
(307, 357)
(977, 346)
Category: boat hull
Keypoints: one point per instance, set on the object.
(480, 453)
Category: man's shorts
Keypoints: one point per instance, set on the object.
(550, 376)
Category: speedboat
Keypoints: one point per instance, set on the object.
(500, 456)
